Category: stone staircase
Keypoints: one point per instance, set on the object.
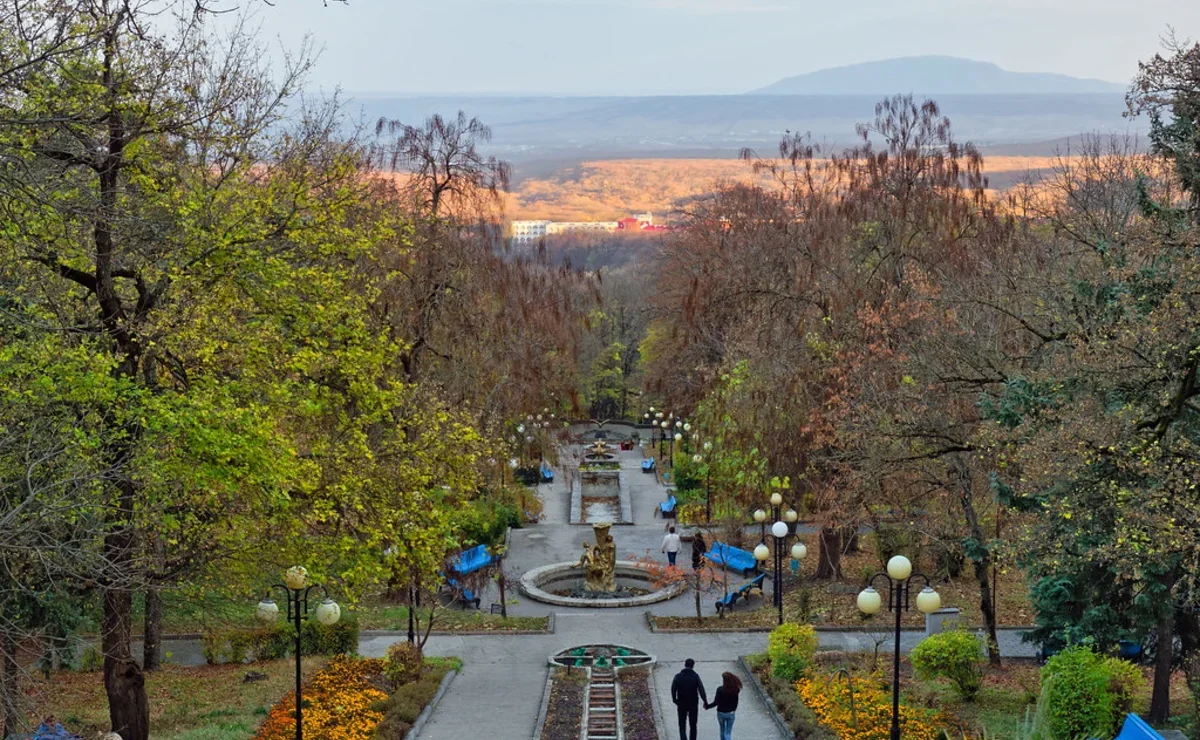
(602, 712)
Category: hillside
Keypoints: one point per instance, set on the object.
(609, 190)
(932, 75)
(579, 129)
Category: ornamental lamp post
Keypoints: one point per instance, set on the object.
(707, 479)
(296, 588)
(899, 576)
(780, 531)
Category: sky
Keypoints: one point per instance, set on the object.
(644, 47)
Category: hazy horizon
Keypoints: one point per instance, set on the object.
(698, 47)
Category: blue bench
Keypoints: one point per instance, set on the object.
(732, 558)
(466, 562)
(648, 465)
(741, 592)
(471, 560)
(667, 508)
(1135, 728)
(547, 474)
(462, 593)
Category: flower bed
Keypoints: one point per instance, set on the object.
(564, 710)
(637, 708)
(871, 716)
(342, 701)
(349, 700)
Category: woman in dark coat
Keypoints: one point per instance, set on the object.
(726, 702)
(698, 549)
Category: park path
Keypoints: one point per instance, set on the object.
(499, 692)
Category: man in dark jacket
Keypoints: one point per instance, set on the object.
(686, 691)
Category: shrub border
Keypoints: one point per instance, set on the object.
(423, 717)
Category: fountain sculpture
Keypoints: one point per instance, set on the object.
(599, 561)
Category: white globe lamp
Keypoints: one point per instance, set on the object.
(899, 568)
(267, 611)
(869, 601)
(928, 601)
(328, 612)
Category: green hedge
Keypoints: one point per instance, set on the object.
(791, 648)
(1084, 695)
(954, 655)
(238, 645)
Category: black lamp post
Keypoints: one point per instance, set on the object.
(707, 478)
(780, 531)
(296, 589)
(899, 577)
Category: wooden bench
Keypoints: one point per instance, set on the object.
(741, 592)
(732, 558)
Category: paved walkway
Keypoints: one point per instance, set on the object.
(500, 688)
(499, 692)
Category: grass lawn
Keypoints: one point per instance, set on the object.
(217, 613)
(200, 703)
(394, 617)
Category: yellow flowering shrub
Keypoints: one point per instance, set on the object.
(872, 715)
(339, 704)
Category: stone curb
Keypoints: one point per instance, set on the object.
(423, 717)
(767, 701)
(660, 725)
(540, 725)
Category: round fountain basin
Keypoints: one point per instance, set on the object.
(539, 583)
(615, 656)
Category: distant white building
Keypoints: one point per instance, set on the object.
(528, 232)
(562, 227)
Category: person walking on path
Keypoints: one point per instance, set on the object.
(671, 544)
(698, 550)
(686, 692)
(726, 702)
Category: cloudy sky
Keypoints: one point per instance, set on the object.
(638, 47)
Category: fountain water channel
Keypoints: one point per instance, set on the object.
(600, 492)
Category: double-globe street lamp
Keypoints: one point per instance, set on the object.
(899, 576)
(780, 530)
(296, 588)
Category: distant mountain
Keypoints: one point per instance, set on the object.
(932, 75)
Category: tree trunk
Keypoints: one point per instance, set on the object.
(1160, 700)
(10, 691)
(128, 708)
(1188, 628)
(503, 601)
(829, 555)
(152, 645)
(982, 558)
